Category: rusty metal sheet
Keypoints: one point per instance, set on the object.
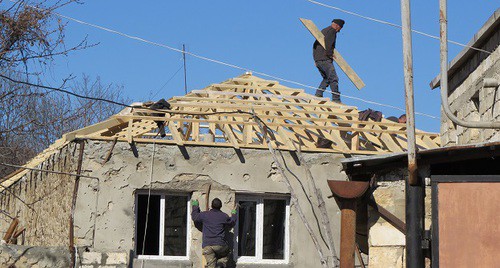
(469, 229)
(348, 189)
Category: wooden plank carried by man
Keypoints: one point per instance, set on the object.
(337, 57)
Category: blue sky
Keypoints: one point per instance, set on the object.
(264, 36)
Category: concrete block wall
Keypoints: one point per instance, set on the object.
(462, 104)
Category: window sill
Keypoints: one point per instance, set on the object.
(161, 262)
(263, 264)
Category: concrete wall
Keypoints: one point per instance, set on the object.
(105, 211)
(466, 85)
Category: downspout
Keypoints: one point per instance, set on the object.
(443, 23)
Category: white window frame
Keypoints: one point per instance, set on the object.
(160, 255)
(259, 232)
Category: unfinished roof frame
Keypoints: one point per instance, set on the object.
(223, 115)
(224, 112)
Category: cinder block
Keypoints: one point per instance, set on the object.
(117, 258)
(386, 257)
(384, 234)
(92, 258)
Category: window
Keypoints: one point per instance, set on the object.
(166, 225)
(262, 230)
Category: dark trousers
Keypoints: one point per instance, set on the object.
(216, 255)
(330, 78)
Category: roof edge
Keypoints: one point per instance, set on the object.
(480, 35)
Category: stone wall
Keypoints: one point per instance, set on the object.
(470, 101)
(386, 243)
(55, 257)
(42, 201)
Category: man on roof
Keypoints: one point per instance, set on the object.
(323, 58)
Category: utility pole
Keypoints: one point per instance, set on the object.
(414, 190)
(185, 74)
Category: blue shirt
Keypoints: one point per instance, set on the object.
(215, 223)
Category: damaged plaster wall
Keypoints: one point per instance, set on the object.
(123, 175)
(42, 201)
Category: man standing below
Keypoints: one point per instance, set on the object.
(215, 222)
(323, 59)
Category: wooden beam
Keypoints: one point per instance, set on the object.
(175, 133)
(230, 136)
(336, 55)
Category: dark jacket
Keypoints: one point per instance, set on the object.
(319, 53)
(215, 223)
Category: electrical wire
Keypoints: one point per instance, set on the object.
(149, 196)
(221, 62)
(394, 25)
(172, 77)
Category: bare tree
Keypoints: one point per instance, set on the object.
(31, 33)
(31, 118)
(34, 118)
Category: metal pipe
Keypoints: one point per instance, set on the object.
(347, 232)
(408, 73)
(443, 33)
(414, 225)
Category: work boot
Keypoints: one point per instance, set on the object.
(319, 93)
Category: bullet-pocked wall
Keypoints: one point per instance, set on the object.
(111, 215)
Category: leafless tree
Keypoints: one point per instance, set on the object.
(31, 33)
(31, 118)
(34, 118)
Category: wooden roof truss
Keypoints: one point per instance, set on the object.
(222, 115)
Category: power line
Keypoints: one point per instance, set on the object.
(224, 63)
(48, 171)
(211, 113)
(172, 77)
(394, 25)
(64, 91)
(220, 62)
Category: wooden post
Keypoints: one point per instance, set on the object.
(10, 231)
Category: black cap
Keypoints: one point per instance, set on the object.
(339, 22)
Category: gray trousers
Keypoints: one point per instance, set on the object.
(330, 78)
(216, 256)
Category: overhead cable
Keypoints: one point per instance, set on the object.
(394, 25)
(223, 63)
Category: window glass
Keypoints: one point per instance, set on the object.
(247, 228)
(274, 229)
(153, 224)
(175, 226)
